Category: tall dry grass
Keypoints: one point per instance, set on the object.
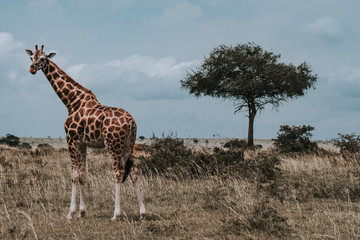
(315, 196)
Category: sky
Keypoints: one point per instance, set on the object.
(133, 53)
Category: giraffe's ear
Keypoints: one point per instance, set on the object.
(29, 52)
(50, 55)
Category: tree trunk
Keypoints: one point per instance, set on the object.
(252, 113)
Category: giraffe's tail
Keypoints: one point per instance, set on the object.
(129, 163)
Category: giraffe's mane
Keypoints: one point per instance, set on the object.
(72, 81)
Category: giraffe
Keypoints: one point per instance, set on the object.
(91, 124)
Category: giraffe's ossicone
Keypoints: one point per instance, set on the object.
(91, 124)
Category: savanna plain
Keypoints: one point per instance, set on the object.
(192, 189)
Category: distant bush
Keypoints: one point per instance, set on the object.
(295, 139)
(44, 145)
(166, 155)
(170, 157)
(44, 149)
(25, 145)
(238, 144)
(10, 140)
(235, 143)
(348, 143)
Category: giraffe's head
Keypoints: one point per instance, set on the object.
(39, 58)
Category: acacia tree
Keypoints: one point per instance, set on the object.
(251, 77)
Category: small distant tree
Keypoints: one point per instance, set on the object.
(251, 77)
(10, 140)
(295, 139)
(348, 143)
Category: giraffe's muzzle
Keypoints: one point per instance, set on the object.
(33, 70)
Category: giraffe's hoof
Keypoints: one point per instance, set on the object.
(115, 219)
(142, 216)
(70, 215)
(82, 214)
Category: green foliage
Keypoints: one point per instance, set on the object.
(10, 140)
(250, 76)
(348, 143)
(295, 139)
(142, 138)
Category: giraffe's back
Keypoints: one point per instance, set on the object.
(97, 125)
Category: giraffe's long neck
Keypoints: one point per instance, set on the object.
(71, 93)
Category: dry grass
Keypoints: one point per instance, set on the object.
(319, 199)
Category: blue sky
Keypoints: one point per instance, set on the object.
(132, 54)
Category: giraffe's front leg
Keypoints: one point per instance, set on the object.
(78, 160)
(75, 179)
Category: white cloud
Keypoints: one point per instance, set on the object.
(325, 26)
(138, 77)
(180, 12)
(345, 74)
(8, 44)
(151, 67)
(75, 70)
(39, 4)
(121, 3)
(12, 74)
(47, 9)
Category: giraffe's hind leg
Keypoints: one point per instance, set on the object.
(82, 179)
(134, 173)
(114, 148)
(131, 169)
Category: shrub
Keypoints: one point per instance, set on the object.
(220, 162)
(295, 139)
(169, 157)
(348, 143)
(166, 155)
(25, 145)
(44, 145)
(44, 149)
(239, 144)
(10, 140)
(235, 143)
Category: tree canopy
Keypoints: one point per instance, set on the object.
(251, 77)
